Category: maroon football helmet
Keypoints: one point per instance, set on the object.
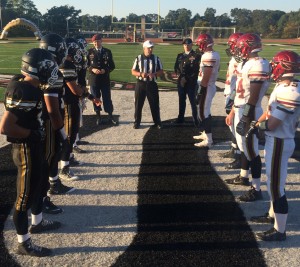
(232, 42)
(285, 63)
(203, 41)
(248, 43)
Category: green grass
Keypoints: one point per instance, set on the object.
(124, 55)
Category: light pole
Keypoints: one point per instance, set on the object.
(1, 14)
(67, 19)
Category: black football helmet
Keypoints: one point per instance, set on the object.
(74, 50)
(82, 42)
(83, 48)
(56, 45)
(41, 65)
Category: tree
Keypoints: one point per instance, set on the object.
(290, 24)
(183, 19)
(242, 18)
(209, 15)
(222, 21)
(55, 20)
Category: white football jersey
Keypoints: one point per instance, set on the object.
(210, 59)
(231, 76)
(255, 69)
(284, 104)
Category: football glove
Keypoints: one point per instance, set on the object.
(252, 130)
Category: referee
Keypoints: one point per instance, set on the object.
(147, 67)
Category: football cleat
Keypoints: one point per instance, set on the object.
(30, 249)
(239, 180)
(251, 195)
(271, 235)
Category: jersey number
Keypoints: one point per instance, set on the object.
(240, 90)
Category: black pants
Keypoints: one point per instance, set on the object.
(149, 90)
(190, 90)
(72, 123)
(29, 159)
(104, 92)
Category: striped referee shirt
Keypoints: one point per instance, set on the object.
(145, 64)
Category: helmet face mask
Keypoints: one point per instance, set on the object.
(56, 45)
(41, 65)
(246, 44)
(285, 63)
(204, 41)
(232, 43)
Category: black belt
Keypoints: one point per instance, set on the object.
(239, 106)
(16, 141)
(145, 81)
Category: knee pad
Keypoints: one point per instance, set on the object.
(255, 165)
(280, 205)
(244, 162)
(207, 124)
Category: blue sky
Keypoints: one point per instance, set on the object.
(122, 8)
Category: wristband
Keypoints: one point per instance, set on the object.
(263, 126)
(249, 110)
(201, 89)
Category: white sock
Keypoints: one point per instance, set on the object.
(209, 138)
(52, 179)
(234, 145)
(23, 238)
(77, 139)
(36, 219)
(280, 222)
(256, 183)
(64, 163)
(244, 173)
(271, 210)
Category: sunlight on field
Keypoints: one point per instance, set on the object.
(124, 54)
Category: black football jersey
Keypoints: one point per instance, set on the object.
(25, 102)
(55, 90)
(69, 73)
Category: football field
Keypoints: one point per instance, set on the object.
(124, 54)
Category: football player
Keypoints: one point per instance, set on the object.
(81, 71)
(73, 92)
(229, 93)
(22, 124)
(57, 143)
(279, 123)
(252, 84)
(209, 69)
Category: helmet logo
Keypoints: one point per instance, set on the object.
(53, 78)
(50, 68)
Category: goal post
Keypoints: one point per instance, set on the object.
(215, 32)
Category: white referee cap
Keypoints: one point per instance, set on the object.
(148, 44)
